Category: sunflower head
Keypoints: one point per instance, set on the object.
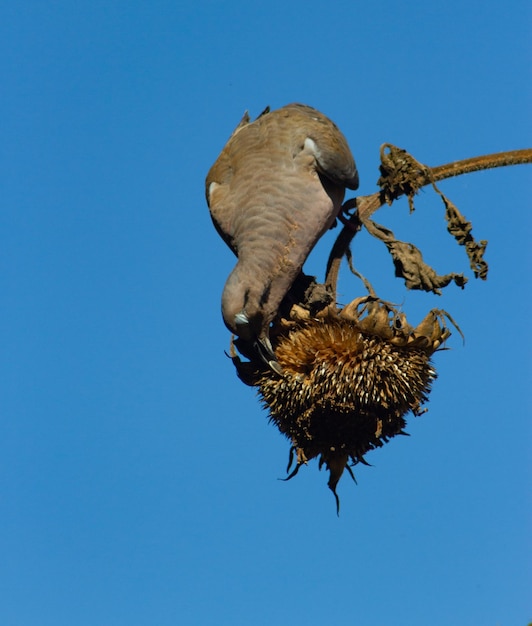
(348, 380)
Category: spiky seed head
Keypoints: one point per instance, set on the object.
(349, 379)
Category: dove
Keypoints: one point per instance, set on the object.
(275, 189)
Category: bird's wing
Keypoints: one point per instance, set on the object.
(331, 150)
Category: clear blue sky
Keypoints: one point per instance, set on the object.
(138, 476)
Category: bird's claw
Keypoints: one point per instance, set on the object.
(266, 353)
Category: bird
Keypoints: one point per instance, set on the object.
(275, 189)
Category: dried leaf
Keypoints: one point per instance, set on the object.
(409, 263)
(460, 229)
(401, 174)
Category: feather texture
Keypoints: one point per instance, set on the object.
(276, 187)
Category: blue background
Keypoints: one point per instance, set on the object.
(138, 476)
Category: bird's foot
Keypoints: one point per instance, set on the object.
(265, 351)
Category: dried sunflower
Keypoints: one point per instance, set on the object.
(348, 380)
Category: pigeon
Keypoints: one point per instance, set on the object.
(276, 188)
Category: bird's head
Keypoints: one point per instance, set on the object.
(244, 316)
(239, 306)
